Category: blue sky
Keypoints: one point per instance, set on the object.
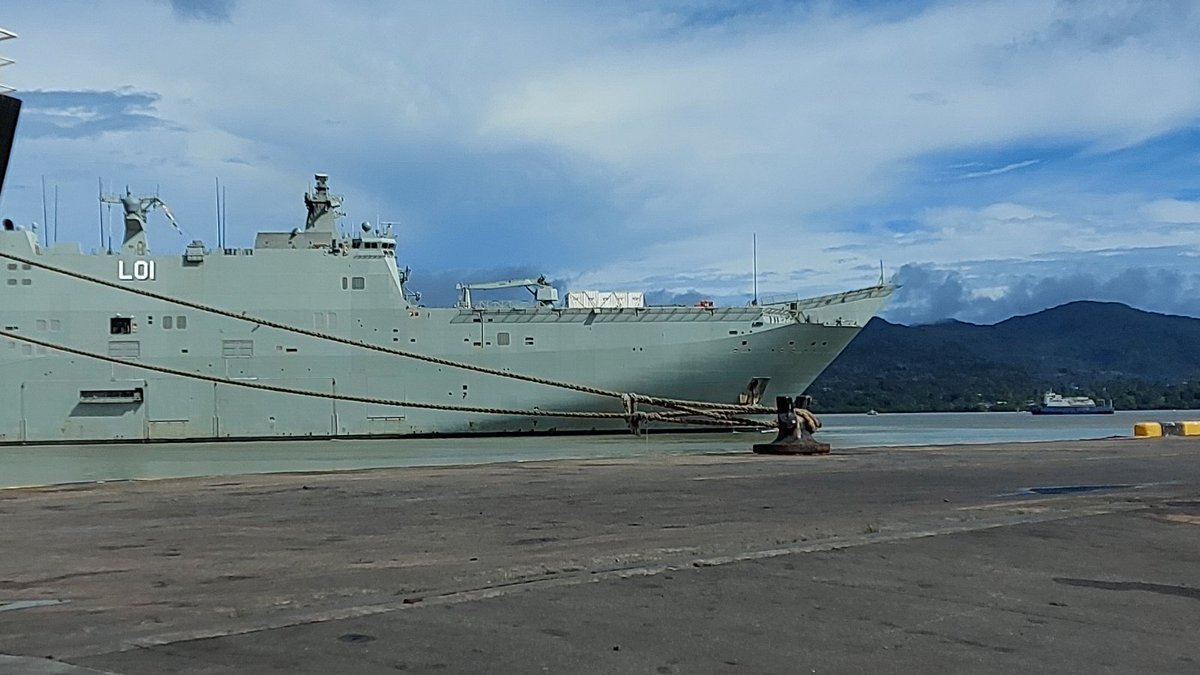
(998, 157)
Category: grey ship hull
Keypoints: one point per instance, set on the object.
(679, 352)
(323, 281)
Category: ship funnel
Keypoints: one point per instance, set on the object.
(10, 109)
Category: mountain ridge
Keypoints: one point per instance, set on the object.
(1104, 349)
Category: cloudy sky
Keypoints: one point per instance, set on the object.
(997, 157)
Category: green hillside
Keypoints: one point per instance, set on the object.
(1106, 350)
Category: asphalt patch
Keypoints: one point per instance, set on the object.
(1070, 489)
(1162, 589)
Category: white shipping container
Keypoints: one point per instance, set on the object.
(605, 299)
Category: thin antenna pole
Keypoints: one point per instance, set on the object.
(217, 192)
(110, 250)
(56, 214)
(100, 196)
(45, 218)
(755, 239)
(224, 203)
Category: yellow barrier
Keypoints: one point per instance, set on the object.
(1156, 429)
(1147, 429)
(1188, 428)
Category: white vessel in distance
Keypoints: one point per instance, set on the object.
(313, 332)
(1057, 404)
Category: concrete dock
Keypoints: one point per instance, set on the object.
(1065, 556)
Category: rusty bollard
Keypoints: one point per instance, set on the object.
(796, 427)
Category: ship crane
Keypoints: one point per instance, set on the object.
(543, 292)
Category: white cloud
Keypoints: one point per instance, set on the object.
(1009, 211)
(1003, 169)
(674, 138)
(1172, 211)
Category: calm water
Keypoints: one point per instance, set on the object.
(47, 465)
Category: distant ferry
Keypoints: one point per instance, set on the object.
(1057, 404)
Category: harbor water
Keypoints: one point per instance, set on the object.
(58, 464)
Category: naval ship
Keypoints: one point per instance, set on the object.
(314, 332)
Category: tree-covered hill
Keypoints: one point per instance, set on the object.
(1106, 350)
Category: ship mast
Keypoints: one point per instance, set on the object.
(323, 207)
(136, 210)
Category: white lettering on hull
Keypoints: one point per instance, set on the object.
(142, 270)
